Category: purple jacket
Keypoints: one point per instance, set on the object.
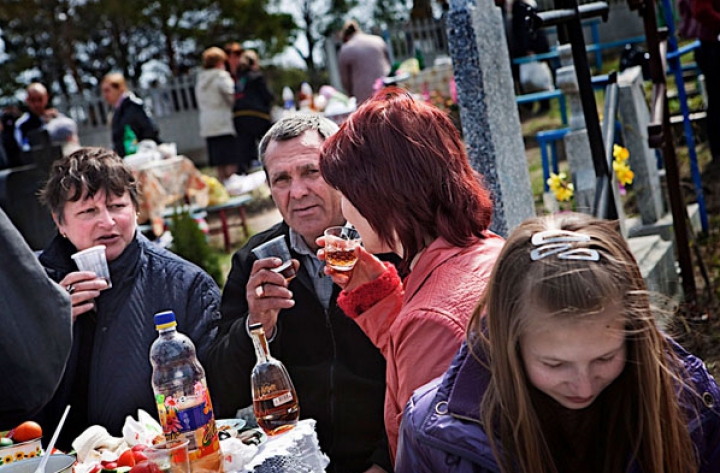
(441, 430)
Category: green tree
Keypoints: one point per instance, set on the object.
(69, 45)
(252, 20)
(317, 20)
(190, 242)
(386, 13)
(39, 38)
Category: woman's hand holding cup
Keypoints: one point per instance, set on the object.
(83, 287)
(367, 267)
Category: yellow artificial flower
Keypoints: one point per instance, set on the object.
(620, 154)
(555, 180)
(562, 189)
(623, 172)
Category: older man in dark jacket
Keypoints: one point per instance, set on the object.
(338, 374)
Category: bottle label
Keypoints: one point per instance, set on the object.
(191, 418)
(282, 399)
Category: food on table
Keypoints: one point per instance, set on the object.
(28, 430)
(20, 443)
(127, 458)
(146, 467)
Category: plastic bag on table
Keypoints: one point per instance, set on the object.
(217, 194)
(535, 76)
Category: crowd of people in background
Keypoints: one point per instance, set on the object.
(363, 59)
(234, 102)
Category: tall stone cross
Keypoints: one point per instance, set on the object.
(490, 119)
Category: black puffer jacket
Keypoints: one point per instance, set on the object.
(252, 94)
(339, 375)
(36, 335)
(132, 112)
(146, 279)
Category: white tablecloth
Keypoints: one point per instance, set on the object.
(295, 451)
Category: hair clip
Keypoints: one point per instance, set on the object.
(581, 254)
(557, 236)
(547, 250)
(559, 242)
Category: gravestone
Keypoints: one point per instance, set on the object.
(635, 117)
(491, 124)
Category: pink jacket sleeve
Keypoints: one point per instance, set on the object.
(378, 302)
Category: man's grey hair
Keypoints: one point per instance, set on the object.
(292, 126)
(62, 129)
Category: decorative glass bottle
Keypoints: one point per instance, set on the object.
(275, 402)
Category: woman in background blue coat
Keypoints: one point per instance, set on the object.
(93, 197)
(565, 371)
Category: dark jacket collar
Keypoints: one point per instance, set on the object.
(56, 258)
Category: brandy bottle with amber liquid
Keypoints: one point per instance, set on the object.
(275, 402)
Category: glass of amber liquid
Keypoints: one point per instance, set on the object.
(340, 244)
(275, 402)
(277, 248)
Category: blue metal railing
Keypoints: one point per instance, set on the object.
(673, 57)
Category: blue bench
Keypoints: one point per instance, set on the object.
(548, 139)
(547, 94)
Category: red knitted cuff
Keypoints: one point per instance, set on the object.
(360, 299)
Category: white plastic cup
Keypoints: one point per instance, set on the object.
(277, 248)
(94, 259)
(171, 456)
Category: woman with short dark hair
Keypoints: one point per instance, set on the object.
(93, 197)
(408, 188)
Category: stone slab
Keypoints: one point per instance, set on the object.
(664, 226)
(656, 259)
(635, 116)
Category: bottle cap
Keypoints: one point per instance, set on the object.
(253, 327)
(165, 320)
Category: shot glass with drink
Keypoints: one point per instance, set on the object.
(340, 244)
(277, 248)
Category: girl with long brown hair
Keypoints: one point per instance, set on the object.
(564, 370)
